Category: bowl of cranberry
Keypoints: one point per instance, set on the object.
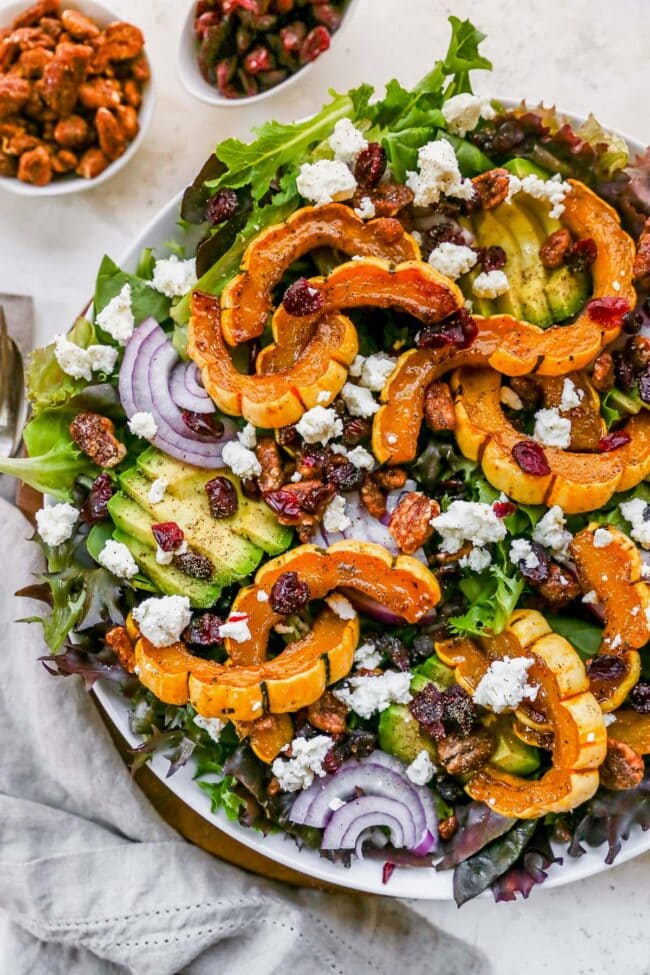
(235, 51)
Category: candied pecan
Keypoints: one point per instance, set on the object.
(33, 63)
(622, 768)
(92, 163)
(410, 522)
(447, 827)
(128, 119)
(95, 436)
(460, 754)
(72, 132)
(268, 454)
(14, 92)
(63, 160)
(372, 497)
(388, 199)
(120, 42)
(132, 93)
(33, 14)
(554, 248)
(78, 26)
(51, 26)
(300, 504)
(603, 373)
(8, 164)
(8, 51)
(29, 38)
(391, 478)
(140, 69)
(100, 93)
(120, 643)
(439, 411)
(560, 587)
(19, 143)
(492, 187)
(59, 86)
(328, 714)
(642, 259)
(35, 167)
(638, 350)
(112, 140)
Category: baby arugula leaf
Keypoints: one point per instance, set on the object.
(492, 597)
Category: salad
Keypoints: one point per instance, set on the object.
(349, 484)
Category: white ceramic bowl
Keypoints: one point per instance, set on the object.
(365, 875)
(75, 184)
(188, 65)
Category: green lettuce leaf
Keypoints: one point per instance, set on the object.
(48, 386)
(145, 301)
(492, 595)
(585, 637)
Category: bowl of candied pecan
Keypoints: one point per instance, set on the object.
(234, 51)
(76, 96)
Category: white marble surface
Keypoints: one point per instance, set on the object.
(586, 55)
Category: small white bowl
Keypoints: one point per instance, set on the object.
(76, 184)
(188, 66)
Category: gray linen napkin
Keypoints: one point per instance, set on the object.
(93, 881)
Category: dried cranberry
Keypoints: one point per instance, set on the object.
(195, 565)
(459, 329)
(633, 322)
(206, 424)
(605, 667)
(613, 440)
(581, 255)
(302, 298)
(288, 436)
(644, 386)
(259, 59)
(387, 871)
(95, 507)
(492, 258)
(345, 476)
(168, 535)
(251, 488)
(222, 206)
(314, 500)
(624, 371)
(608, 312)
(203, 631)
(639, 697)
(394, 649)
(354, 744)
(222, 497)
(503, 509)
(314, 460)
(355, 430)
(531, 458)
(370, 165)
(538, 573)
(289, 594)
(326, 14)
(442, 711)
(317, 41)
(292, 501)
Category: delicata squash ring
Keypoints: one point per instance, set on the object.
(572, 712)
(247, 300)
(248, 685)
(578, 482)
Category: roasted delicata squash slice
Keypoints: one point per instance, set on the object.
(267, 736)
(563, 348)
(278, 399)
(247, 300)
(632, 729)
(578, 482)
(587, 425)
(402, 584)
(579, 737)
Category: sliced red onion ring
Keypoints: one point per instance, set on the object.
(354, 818)
(394, 764)
(182, 396)
(373, 838)
(370, 607)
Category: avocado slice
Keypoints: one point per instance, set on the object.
(436, 672)
(201, 593)
(401, 735)
(512, 754)
(490, 232)
(524, 167)
(532, 288)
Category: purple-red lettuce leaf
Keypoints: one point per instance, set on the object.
(476, 874)
(478, 826)
(609, 818)
(530, 870)
(90, 666)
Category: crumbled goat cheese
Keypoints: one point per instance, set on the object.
(334, 516)
(262, 597)
(421, 769)
(590, 598)
(241, 460)
(572, 397)
(323, 396)
(236, 627)
(116, 557)
(56, 523)
(117, 317)
(616, 285)
(166, 558)
(367, 657)
(366, 209)
(490, 284)
(347, 141)
(335, 804)
(341, 606)
(508, 397)
(319, 425)
(306, 762)
(325, 181)
(81, 363)
(366, 695)
(143, 425)
(551, 429)
(477, 560)
(453, 260)
(468, 521)
(552, 190)
(248, 436)
(634, 511)
(609, 719)
(602, 538)
(438, 173)
(213, 726)
(521, 551)
(361, 458)
(174, 277)
(162, 620)
(391, 439)
(157, 490)
(359, 400)
(373, 371)
(550, 532)
(462, 112)
(504, 684)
